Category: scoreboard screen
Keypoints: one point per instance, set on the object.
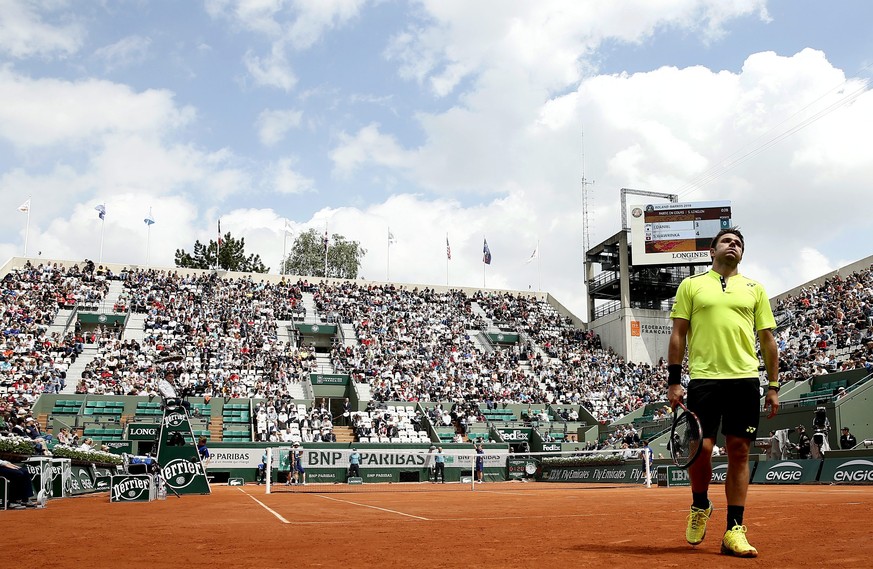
(676, 233)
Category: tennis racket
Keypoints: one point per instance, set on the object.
(685, 437)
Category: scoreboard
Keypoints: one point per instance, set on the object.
(676, 233)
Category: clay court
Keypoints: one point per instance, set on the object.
(498, 525)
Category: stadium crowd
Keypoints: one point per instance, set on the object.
(415, 345)
(281, 420)
(34, 360)
(828, 327)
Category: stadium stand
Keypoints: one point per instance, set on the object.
(430, 362)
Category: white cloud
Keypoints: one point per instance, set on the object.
(272, 70)
(258, 16)
(314, 19)
(286, 180)
(273, 125)
(76, 234)
(126, 52)
(25, 33)
(289, 25)
(691, 125)
(544, 42)
(368, 145)
(42, 112)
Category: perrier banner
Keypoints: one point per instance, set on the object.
(178, 456)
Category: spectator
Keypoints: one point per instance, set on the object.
(20, 490)
(847, 439)
(64, 437)
(803, 443)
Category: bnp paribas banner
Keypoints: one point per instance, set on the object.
(385, 459)
(786, 472)
(847, 471)
(178, 456)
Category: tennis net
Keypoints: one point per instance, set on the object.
(296, 469)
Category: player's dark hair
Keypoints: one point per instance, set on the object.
(732, 230)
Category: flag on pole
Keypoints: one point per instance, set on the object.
(486, 253)
(391, 239)
(535, 254)
(325, 241)
(101, 211)
(149, 220)
(219, 233)
(25, 207)
(288, 229)
(448, 249)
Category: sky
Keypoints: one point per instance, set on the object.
(463, 120)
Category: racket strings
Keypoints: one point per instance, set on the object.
(685, 439)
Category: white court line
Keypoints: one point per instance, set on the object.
(374, 507)
(504, 492)
(263, 505)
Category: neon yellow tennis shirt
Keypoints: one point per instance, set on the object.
(723, 324)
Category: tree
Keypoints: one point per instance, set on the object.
(231, 256)
(307, 256)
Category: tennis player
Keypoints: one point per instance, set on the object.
(297, 460)
(717, 314)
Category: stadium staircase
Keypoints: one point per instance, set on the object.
(479, 311)
(350, 337)
(283, 332)
(215, 430)
(115, 290)
(60, 324)
(481, 340)
(324, 364)
(74, 372)
(134, 328)
(296, 390)
(344, 434)
(308, 302)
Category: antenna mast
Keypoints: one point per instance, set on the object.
(586, 238)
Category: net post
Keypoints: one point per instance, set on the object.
(648, 470)
(268, 468)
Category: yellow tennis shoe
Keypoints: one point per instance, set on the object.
(695, 531)
(736, 544)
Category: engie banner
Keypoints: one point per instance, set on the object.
(786, 472)
(847, 471)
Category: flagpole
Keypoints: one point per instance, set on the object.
(326, 242)
(284, 246)
(388, 257)
(539, 279)
(149, 239)
(102, 234)
(27, 227)
(218, 246)
(484, 264)
(448, 248)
